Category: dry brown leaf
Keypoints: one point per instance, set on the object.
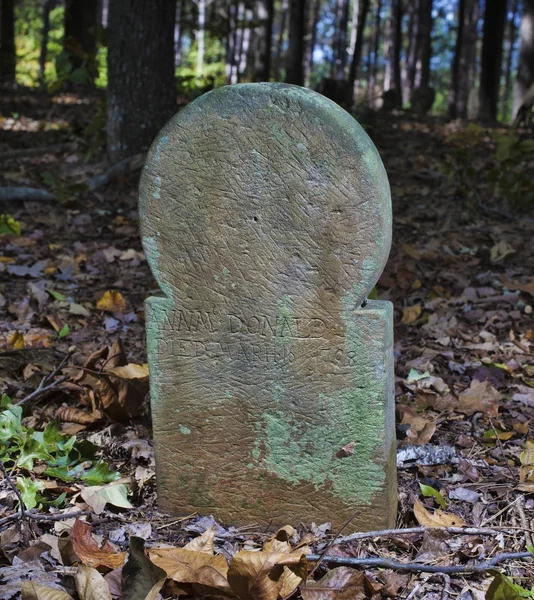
(188, 566)
(342, 583)
(266, 575)
(88, 550)
(112, 301)
(203, 543)
(280, 540)
(410, 314)
(131, 371)
(421, 429)
(90, 584)
(141, 579)
(436, 519)
(480, 397)
(34, 591)
(523, 287)
(70, 414)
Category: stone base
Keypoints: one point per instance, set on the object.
(307, 436)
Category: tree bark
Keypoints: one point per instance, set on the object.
(178, 33)
(525, 67)
(284, 9)
(200, 33)
(463, 65)
(245, 46)
(141, 93)
(490, 73)
(8, 57)
(80, 32)
(311, 38)
(374, 61)
(392, 78)
(295, 51)
(47, 6)
(339, 63)
(358, 22)
(264, 35)
(505, 105)
(424, 44)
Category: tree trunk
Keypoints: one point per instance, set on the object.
(374, 60)
(525, 67)
(311, 38)
(424, 44)
(264, 34)
(200, 34)
(238, 43)
(178, 33)
(505, 105)
(392, 78)
(245, 46)
(141, 93)
(463, 65)
(339, 63)
(231, 40)
(358, 23)
(47, 6)
(8, 57)
(490, 65)
(295, 51)
(80, 29)
(280, 39)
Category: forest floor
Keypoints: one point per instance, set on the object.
(73, 281)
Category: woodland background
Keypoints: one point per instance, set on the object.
(445, 90)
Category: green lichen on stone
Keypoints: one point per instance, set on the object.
(185, 430)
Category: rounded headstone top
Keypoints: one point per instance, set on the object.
(273, 184)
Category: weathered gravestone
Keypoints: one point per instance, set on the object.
(266, 220)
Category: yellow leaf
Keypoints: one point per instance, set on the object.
(188, 566)
(16, 341)
(266, 575)
(203, 543)
(35, 591)
(131, 371)
(411, 251)
(111, 301)
(436, 519)
(90, 585)
(527, 455)
(410, 314)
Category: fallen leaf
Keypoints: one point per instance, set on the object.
(16, 341)
(410, 314)
(342, 583)
(131, 371)
(141, 578)
(112, 301)
(421, 429)
(436, 519)
(480, 397)
(280, 540)
(263, 575)
(97, 496)
(90, 584)
(88, 550)
(76, 415)
(34, 591)
(203, 543)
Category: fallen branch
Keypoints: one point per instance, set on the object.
(10, 483)
(42, 518)
(421, 529)
(22, 152)
(93, 184)
(48, 382)
(389, 563)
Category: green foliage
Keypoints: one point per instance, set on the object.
(513, 176)
(63, 456)
(63, 191)
(503, 588)
(9, 226)
(430, 492)
(213, 72)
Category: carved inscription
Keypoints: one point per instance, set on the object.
(255, 339)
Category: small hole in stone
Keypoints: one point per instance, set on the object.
(255, 218)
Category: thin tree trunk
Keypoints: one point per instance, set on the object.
(525, 67)
(178, 33)
(492, 42)
(245, 46)
(47, 5)
(280, 40)
(200, 35)
(262, 59)
(231, 40)
(311, 38)
(374, 61)
(505, 106)
(361, 18)
(295, 51)
(7, 41)
(463, 65)
(424, 44)
(238, 44)
(392, 77)
(141, 93)
(81, 17)
(340, 40)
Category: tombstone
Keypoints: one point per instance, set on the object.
(266, 220)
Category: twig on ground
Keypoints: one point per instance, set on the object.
(501, 448)
(42, 518)
(389, 563)
(421, 529)
(10, 483)
(524, 522)
(332, 541)
(48, 382)
(498, 514)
